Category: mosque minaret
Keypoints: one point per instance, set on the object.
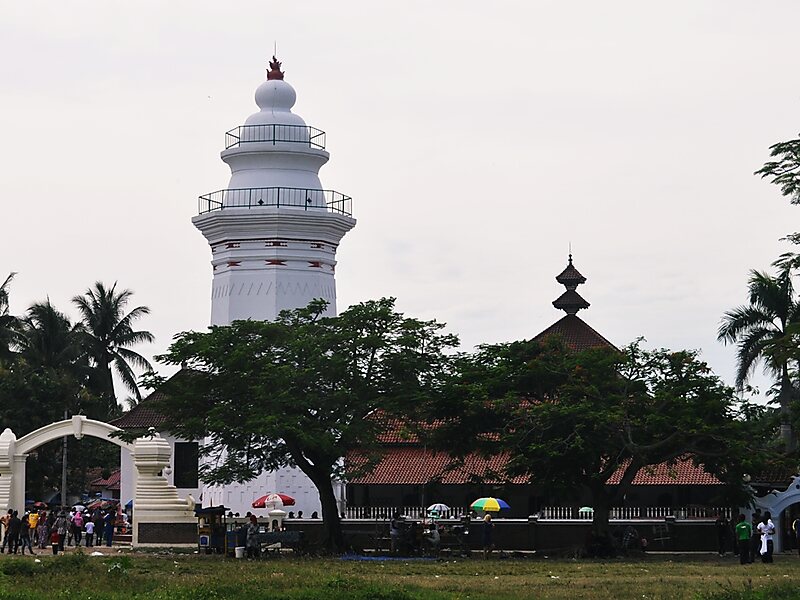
(273, 234)
(274, 230)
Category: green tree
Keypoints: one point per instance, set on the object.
(8, 323)
(785, 171)
(107, 336)
(300, 391)
(578, 421)
(764, 331)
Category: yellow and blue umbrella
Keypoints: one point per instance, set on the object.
(489, 504)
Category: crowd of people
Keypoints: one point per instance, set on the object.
(56, 529)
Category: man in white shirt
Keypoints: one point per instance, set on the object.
(767, 529)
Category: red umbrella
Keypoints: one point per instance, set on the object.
(273, 500)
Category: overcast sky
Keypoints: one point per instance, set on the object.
(477, 140)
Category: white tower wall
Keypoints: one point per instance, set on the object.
(273, 235)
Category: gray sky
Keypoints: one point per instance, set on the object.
(477, 140)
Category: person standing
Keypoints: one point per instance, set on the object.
(89, 532)
(744, 532)
(796, 530)
(767, 529)
(4, 520)
(14, 526)
(25, 534)
(42, 530)
(33, 520)
(61, 526)
(488, 544)
(394, 533)
(108, 526)
(77, 528)
(721, 525)
(97, 519)
(252, 541)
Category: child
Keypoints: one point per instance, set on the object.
(55, 541)
(89, 532)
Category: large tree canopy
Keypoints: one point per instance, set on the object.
(575, 420)
(299, 391)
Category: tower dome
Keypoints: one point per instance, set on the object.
(275, 97)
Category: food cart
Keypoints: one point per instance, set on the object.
(211, 529)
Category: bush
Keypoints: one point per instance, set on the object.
(20, 568)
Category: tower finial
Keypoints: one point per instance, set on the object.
(570, 252)
(275, 69)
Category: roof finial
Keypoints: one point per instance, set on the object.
(275, 68)
(570, 301)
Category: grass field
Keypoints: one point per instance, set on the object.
(192, 577)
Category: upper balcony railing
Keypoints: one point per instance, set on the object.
(274, 133)
(299, 198)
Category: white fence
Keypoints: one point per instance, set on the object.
(387, 512)
(632, 513)
(553, 513)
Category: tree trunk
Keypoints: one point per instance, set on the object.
(108, 392)
(784, 398)
(331, 522)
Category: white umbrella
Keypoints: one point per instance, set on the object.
(436, 510)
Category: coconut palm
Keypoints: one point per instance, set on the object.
(763, 332)
(49, 341)
(7, 322)
(109, 334)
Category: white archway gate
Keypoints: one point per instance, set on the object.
(160, 516)
(776, 502)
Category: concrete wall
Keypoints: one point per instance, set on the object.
(556, 537)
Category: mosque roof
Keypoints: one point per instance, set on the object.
(576, 333)
(144, 414)
(416, 465)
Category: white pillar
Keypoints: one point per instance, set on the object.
(18, 496)
(156, 504)
(7, 444)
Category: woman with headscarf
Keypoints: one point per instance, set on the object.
(43, 530)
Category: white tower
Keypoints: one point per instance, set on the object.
(273, 235)
(274, 231)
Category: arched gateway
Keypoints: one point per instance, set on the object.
(160, 516)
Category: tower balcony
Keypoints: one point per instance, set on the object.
(275, 133)
(277, 197)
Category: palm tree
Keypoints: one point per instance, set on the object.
(764, 331)
(50, 343)
(108, 336)
(8, 322)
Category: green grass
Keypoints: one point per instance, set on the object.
(191, 577)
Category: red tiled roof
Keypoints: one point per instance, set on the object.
(112, 483)
(576, 334)
(415, 466)
(142, 415)
(683, 472)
